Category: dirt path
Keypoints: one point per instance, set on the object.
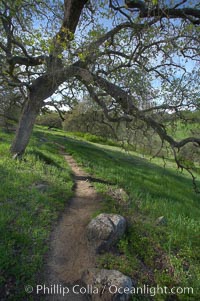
(69, 253)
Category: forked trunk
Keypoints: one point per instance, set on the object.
(45, 85)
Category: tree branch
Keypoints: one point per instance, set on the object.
(126, 102)
(27, 61)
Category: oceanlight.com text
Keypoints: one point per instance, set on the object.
(58, 289)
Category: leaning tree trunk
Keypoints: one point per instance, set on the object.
(42, 88)
(45, 85)
(25, 127)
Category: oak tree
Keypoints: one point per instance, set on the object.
(136, 59)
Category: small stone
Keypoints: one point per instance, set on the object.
(119, 194)
(41, 187)
(42, 139)
(161, 221)
(17, 156)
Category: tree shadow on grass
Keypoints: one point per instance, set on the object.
(92, 179)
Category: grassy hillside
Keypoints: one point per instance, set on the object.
(165, 254)
(32, 194)
(153, 254)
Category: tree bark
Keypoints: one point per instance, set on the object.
(25, 127)
(42, 88)
(73, 9)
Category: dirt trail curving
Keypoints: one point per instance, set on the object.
(69, 253)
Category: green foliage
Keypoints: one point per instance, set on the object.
(51, 120)
(93, 138)
(155, 2)
(10, 108)
(87, 118)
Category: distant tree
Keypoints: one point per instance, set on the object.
(50, 119)
(10, 107)
(133, 58)
(86, 117)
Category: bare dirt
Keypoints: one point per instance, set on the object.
(69, 253)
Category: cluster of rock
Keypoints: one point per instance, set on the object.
(102, 233)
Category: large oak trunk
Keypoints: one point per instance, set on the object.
(25, 127)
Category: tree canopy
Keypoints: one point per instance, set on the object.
(135, 59)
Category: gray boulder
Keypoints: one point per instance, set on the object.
(105, 230)
(107, 285)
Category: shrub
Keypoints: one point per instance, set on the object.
(51, 120)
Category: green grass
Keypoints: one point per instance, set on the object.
(149, 253)
(165, 255)
(183, 129)
(26, 213)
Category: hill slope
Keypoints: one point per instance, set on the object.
(35, 191)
